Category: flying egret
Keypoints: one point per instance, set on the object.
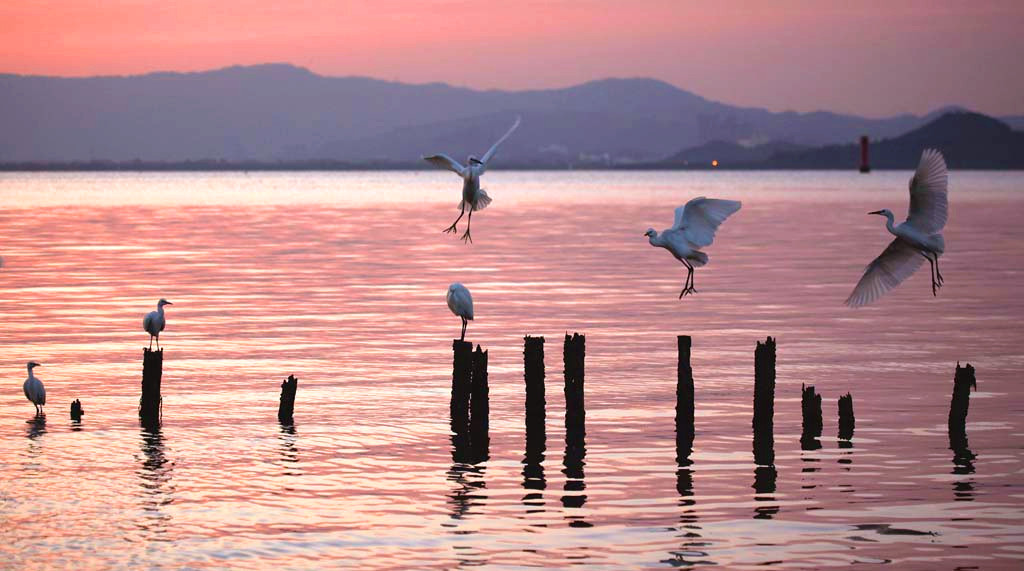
(154, 323)
(34, 390)
(917, 239)
(461, 304)
(473, 197)
(694, 228)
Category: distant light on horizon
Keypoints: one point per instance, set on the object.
(714, 163)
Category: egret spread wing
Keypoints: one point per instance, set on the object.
(494, 148)
(700, 217)
(888, 270)
(444, 161)
(928, 198)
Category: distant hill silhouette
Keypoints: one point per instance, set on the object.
(728, 153)
(279, 112)
(967, 141)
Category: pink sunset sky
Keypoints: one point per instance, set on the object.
(869, 57)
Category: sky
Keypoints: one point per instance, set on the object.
(873, 58)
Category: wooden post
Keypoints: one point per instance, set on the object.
(76, 410)
(479, 423)
(573, 355)
(462, 382)
(684, 402)
(536, 431)
(846, 418)
(764, 403)
(963, 381)
(150, 402)
(810, 408)
(286, 408)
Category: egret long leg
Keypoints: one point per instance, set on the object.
(464, 324)
(935, 284)
(453, 228)
(469, 222)
(937, 274)
(688, 286)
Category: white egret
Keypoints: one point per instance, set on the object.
(154, 323)
(917, 239)
(473, 197)
(461, 304)
(694, 228)
(34, 390)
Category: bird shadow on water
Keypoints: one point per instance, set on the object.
(35, 426)
(155, 483)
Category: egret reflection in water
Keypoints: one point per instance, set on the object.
(155, 483)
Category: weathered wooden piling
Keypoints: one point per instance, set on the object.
(462, 382)
(152, 372)
(684, 401)
(286, 408)
(533, 368)
(963, 381)
(76, 410)
(479, 423)
(810, 408)
(764, 403)
(846, 418)
(764, 384)
(536, 430)
(573, 355)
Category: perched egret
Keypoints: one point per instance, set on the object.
(34, 390)
(917, 239)
(461, 304)
(154, 323)
(694, 228)
(473, 197)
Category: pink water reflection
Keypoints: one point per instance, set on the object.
(339, 279)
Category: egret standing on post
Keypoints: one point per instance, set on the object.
(694, 228)
(154, 323)
(34, 390)
(917, 239)
(473, 197)
(461, 304)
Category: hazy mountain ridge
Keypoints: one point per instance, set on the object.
(279, 112)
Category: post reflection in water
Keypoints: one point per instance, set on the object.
(155, 481)
(534, 481)
(289, 451)
(765, 473)
(35, 427)
(692, 549)
(963, 465)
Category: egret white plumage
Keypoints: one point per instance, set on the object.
(34, 390)
(154, 323)
(461, 304)
(473, 197)
(917, 239)
(694, 227)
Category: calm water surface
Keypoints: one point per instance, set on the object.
(340, 279)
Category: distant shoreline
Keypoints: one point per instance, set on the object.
(305, 166)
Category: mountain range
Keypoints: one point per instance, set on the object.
(279, 112)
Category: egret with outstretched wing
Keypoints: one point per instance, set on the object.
(694, 228)
(473, 197)
(917, 239)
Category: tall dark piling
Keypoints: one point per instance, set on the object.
(76, 410)
(573, 354)
(684, 401)
(150, 402)
(286, 408)
(810, 408)
(536, 431)
(846, 419)
(764, 403)
(462, 383)
(963, 381)
(479, 408)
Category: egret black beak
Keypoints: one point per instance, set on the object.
(875, 212)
